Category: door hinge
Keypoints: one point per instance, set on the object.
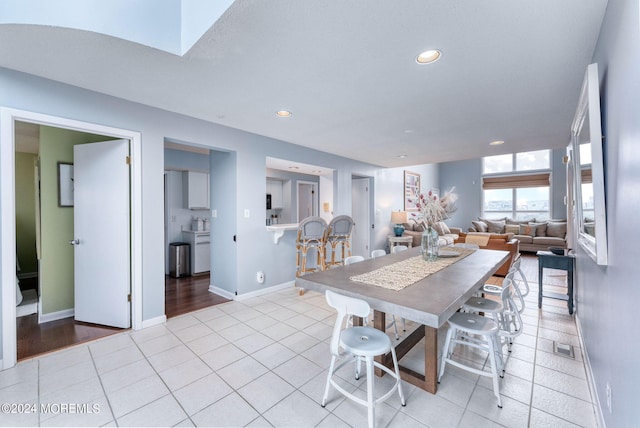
(128, 160)
(129, 297)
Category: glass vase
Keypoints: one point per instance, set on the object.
(429, 243)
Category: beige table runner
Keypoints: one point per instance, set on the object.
(402, 274)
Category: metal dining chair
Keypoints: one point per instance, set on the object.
(356, 345)
(398, 248)
(477, 332)
(378, 253)
(353, 259)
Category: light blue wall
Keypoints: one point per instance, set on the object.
(181, 160)
(241, 176)
(466, 176)
(608, 296)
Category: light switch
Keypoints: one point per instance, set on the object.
(246, 213)
(214, 213)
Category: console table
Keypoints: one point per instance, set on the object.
(546, 259)
(400, 240)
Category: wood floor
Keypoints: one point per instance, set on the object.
(182, 295)
(188, 294)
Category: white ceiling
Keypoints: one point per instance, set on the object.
(510, 70)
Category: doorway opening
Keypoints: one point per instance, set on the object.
(361, 208)
(9, 120)
(187, 207)
(307, 199)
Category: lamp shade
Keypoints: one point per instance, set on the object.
(398, 217)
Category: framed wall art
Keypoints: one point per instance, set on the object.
(411, 190)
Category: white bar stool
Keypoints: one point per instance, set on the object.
(357, 344)
(473, 330)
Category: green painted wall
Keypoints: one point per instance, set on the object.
(56, 264)
(26, 212)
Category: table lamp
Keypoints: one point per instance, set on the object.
(397, 218)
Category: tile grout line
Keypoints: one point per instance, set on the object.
(102, 385)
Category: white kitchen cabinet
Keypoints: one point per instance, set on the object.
(200, 246)
(274, 188)
(195, 190)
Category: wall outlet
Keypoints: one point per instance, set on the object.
(260, 277)
(608, 392)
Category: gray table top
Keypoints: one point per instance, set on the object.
(430, 301)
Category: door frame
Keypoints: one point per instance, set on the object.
(315, 201)
(369, 207)
(8, 117)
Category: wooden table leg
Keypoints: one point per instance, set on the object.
(380, 323)
(428, 381)
(430, 359)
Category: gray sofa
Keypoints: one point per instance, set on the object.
(533, 235)
(447, 235)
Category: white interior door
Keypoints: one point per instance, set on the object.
(361, 216)
(102, 233)
(307, 200)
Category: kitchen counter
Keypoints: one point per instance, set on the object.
(279, 229)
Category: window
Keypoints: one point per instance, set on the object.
(517, 185)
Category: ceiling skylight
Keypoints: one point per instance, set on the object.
(173, 26)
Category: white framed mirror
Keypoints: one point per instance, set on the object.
(586, 135)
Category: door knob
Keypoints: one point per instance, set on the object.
(74, 242)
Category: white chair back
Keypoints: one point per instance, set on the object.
(378, 253)
(398, 248)
(353, 259)
(346, 307)
(312, 229)
(340, 226)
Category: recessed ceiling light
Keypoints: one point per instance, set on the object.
(401, 156)
(427, 57)
(283, 113)
(294, 167)
(317, 171)
(496, 143)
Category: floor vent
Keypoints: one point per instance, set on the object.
(563, 349)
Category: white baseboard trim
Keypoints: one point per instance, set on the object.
(54, 316)
(590, 378)
(153, 321)
(221, 292)
(240, 297)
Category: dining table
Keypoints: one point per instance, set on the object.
(429, 301)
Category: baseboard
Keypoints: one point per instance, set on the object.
(228, 295)
(154, 321)
(590, 379)
(264, 291)
(221, 292)
(54, 316)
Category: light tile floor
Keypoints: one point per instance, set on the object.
(263, 362)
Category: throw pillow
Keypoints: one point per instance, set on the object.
(541, 228)
(441, 228)
(480, 226)
(495, 226)
(512, 228)
(526, 229)
(557, 229)
(519, 222)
